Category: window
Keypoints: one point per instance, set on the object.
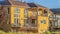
(34, 13)
(45, 12)
(59, 24)
(43, 21)
(56, 24)
(40, 12)
(51, 16)
(26, 13)
(33, 21)
(16, 21)
(16, 16)
(25, 17)
(25, 21)
(17, 10)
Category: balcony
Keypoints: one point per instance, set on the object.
(15, 25)
(30, 27)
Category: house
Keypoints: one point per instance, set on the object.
(56, 24)
(24, 16)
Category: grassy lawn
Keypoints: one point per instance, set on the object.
(2, 32)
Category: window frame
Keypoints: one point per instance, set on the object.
(25, 13)
(17, 10)
(39, 12)
(45, 12)
(16, 16)
(43, 21)
(34, 13)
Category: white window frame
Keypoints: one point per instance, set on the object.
(38, 12)
(16, 16)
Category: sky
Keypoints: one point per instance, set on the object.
(46, 3)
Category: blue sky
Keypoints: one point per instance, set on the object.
(46, 3)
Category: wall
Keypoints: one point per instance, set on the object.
(21, 15)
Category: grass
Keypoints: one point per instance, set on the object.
(2, 32)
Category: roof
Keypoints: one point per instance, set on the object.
(31, 4)
(40, 6)
(56, 10)
(4, 3)
(18, 3)
(35, 5)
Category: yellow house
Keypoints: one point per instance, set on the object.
(24, 16)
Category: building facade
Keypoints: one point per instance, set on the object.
(56, 22)
(24, 16)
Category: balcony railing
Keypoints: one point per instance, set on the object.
(30, 25)
(15, 25)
